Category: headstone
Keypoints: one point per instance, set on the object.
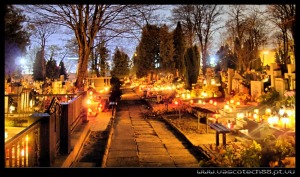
(274, 72)
(56, 86)
(68, 85)
(280, 86)
(230, 75)
(257, 87)
(63, 90)
(291, 76)
(236, 82)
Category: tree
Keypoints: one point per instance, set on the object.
(99, 58)
(206, 18)
(179, 49)
(104, 56)
(37, 65)
(42, 30)
(16, 37)
(183, 14)
(120, 67)
(86, 20)
(148, 60)
(72, 47)
(202, 21)
(226, 58)
(31, 55)
(248, 29)
(236, 26)
(166, 51)
(63, 70)
(52, 70)
(191, 58)
(284, 17)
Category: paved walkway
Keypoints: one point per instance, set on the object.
(139, 142)
(126, 142)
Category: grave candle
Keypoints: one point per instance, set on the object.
(268, 112)
(284, 121)
(226, 107)
(249, 114)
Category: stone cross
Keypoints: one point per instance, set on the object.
(230, 76)
(291, 76)
(273, 73)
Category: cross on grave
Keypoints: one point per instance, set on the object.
(291, 76)
(230, 76)
(273, 72)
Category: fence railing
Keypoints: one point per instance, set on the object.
(48, 136)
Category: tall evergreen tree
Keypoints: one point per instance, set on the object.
(179, 48)
(192, 62)
(63, 70)
(52, 70)
(120, 67)
(103, 53)
(226, 58)
(148, 59)
(16, 37)
(37, 67)
(166, 51)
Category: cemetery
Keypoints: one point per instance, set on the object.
(223, 76)
(259, 112)
(54, 109)
(223, 104)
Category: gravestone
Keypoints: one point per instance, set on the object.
(100, 82)
(280, 86)
(56, 87)
(257, 87)
(237, 79)
(68, 85)
(274, 72)
(230, 75)
(291, 76)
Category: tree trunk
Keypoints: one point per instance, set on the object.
(82, 67)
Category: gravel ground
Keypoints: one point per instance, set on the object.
(94, 148)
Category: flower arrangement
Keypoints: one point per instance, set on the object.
(242, 97)
(289, 97)
(211, 90)
(270, 97)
